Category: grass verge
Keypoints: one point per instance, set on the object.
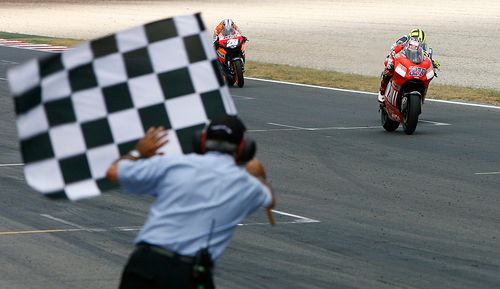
(314, 76)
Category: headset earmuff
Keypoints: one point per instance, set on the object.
(200, 141)
(203, 141)
(240, 150)
(246, 150)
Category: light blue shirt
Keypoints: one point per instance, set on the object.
(193, 191)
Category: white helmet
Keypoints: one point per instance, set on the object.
(227, 23)
(227, 27)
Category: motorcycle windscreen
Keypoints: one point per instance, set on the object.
(228, 31)
(414, 55)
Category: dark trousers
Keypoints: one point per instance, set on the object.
(148, 268)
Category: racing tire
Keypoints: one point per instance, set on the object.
(387, 123)
(238, 73)
(230, 80)
(412, 113)
(226, 75)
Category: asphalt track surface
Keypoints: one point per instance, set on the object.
(359, 207)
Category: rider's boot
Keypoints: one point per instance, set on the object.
(381, 97)
(385, 77)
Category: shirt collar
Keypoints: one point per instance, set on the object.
(220, 155)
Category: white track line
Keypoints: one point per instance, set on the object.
(303, 219)
(10, 165)
(289, 126)
(77, 228)
(488, 173)
(64, 48)
(369, 93)
(71, 224)
(298, 219)
(39, 231)
(126, 229)
(310, 85)
(323, 128)
(243, 97)
(273, 129)
(8, 61)
(434, 122)
(463, 103)
(4, 79)
(345, 127)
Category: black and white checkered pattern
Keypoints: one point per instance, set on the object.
(79, 111)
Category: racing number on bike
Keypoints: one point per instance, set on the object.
(417, 71)
(232, 42)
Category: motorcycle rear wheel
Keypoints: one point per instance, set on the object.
(387, 123)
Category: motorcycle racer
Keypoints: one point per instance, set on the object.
(230, 44)
(226, 27)
(414, 35)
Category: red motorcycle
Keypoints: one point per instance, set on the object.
(231, 57)
(405, 93)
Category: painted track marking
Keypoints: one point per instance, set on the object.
(43, 47)
(301, 218)
(242, 97)
(8, 61)
(287, 127)
(77, 228)
(82, 228)
(434, 122)
(273, 129)
(10, 165)
(298, 219)
(369, 93)
(488, 173)
(38, 231)
(323, 128)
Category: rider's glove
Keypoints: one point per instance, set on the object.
(436, 64)
(390, 64)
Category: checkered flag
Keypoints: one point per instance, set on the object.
(79, 111)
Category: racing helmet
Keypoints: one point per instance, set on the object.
(227, 27)
(417, 33)
(414, 51)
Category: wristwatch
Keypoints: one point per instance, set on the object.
(135, 154)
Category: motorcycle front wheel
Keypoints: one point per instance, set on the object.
(230, 79)
(238, 73)
(411, 114)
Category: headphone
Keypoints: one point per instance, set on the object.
(243, 152)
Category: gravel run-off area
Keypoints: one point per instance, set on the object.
(346, 36)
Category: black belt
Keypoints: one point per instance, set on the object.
(165, 252)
